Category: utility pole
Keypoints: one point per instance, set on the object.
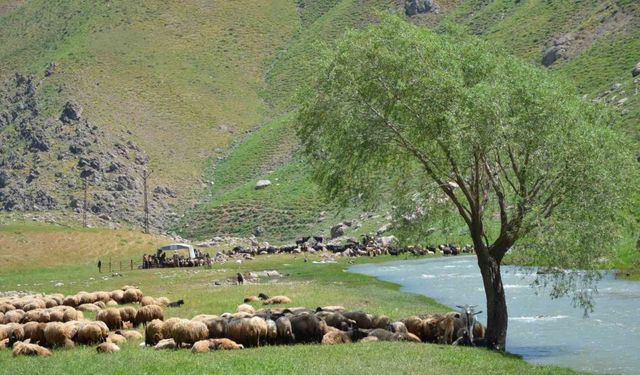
(86, 204)
(145, 177)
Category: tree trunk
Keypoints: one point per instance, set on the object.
(497, 317)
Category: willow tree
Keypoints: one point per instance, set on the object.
(400, 114)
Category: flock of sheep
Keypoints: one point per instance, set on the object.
(32, 325)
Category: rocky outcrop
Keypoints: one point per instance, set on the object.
(413, 7)
(45, 162)
(557, 50)
(636, 70)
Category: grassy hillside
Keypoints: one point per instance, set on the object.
(183, 77)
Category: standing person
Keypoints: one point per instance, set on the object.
(99, 266)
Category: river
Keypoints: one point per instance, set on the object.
(541, 330)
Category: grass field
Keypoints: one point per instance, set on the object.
(307, 284)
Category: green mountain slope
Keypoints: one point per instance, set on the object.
(206, 87)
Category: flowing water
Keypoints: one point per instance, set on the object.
(542, 330)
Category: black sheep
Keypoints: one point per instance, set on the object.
(176, 303)
(306, 328)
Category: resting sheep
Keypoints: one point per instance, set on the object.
(107, 347)
(306, 328)
(246, 309)
(277, 300)
(128, 314)
(26, 348)
(165, 344)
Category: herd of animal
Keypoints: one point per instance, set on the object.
(35, 324)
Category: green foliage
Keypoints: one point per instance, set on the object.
(397, 107)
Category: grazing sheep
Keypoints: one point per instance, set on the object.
(163, 301)
(165, 344)
(131, 335)
(12, 331)
(26, 348)
(201, 346)
(146, 301)
(117, 296)
(153, 332)
(188, 332)
(1, 317)
(112, 303)
(277, 300)
(272, 332)
(116, 339)
(90, 334)
(107, 347)
(35, 332)
(224, 344)
(88, 307)
(72, 314)
(13, 316)
(177, 303)
(56, 314)
(103, 297)
(131, 295)
(167, 327)
(285, 333)
(247, 331)
(216, 325)
(50, 302)
(72, 301)
(59, 334)
(148, 313)
(4, 307)
(306, 328)
(85, 297)
(246, 309)
(101, 305)
(37, 315)
(34, 304)
(111, 317)
(128, 314)
(362, 319)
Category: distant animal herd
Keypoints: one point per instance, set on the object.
(35, 324)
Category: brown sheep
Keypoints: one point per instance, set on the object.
(56, 314)
(128, 314)
(116, 339)
(35, 332)
(59, 334)
(163, 301)
(101, 305)
(188, 332)
(277, 300)
(402, 336)
(4, 307)
(167, 327)
(72, 314)
(285, 334)
(13, 316)
(90, 334)
(217, 326)
(1, 317)
(37, 315)
(12, 331)
(85, 297)
(111, 317)
(380, 321)
(245, 309)
(246, 331)
(72, 301)
(449, 327)
(50, 302)
(117, 296)
(88, 307)
(153, 332)
(103, 297)
(131, 335)
(132, 295)
(35, 304)
(251, 299)
(224, 344)
(25, 348)
(111, 303)
(146, 301)
(335, 337)
(148, 313)
(107, 347)
(4, 343)
(201, 346)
